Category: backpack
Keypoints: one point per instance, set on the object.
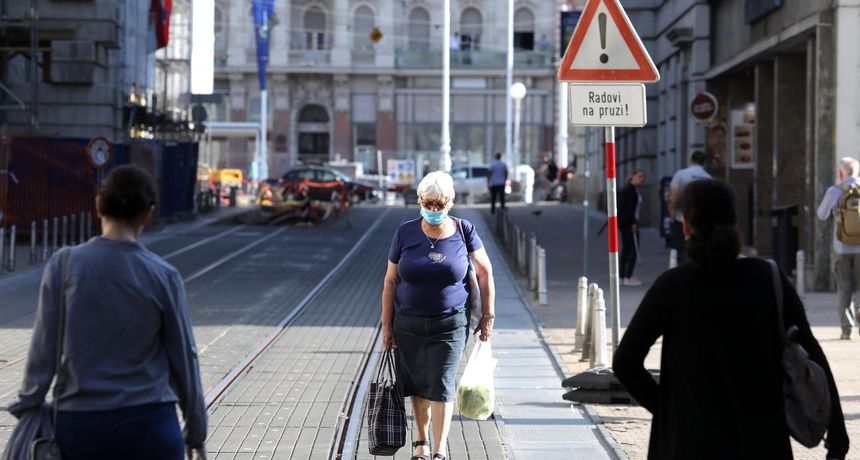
(848, 214)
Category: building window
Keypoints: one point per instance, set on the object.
(365, 134)
(524, 29)
(315, 27)
(419, 29)
(470, 29)
(362, 25)
(220, 39)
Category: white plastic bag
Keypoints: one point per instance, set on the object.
(476, 393)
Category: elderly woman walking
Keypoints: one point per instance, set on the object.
(424, 312)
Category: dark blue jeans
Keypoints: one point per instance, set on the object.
(147, 432)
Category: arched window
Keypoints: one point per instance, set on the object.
(524, 29)
(471, 24)
(313, 114)
(315, 28)
(362, 25)
(419, 29)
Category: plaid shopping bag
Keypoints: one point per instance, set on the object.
(386, 412)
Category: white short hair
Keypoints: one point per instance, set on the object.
(437, 186)
(849, 166)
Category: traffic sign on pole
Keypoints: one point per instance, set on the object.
(606, 63)
(606, 47)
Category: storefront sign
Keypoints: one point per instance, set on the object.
(704, 107)
(607, 105)
(741, 139)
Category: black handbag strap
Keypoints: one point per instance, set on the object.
(386, 367)
(61, 335)
(778, 292)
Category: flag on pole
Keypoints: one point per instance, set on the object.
(159, 15)
(264, 11)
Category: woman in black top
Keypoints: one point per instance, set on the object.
(629, 203)
(720, 391)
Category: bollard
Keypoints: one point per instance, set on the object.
(12, 251)
(533, 266)
(81, 235)
(33, 242)
(89, 225)
(65, 237)
(517, 242)
(523, 243)
(45, 240)
(581, 309)
(542, 291)
(217, 197)
(801, 274)
(2, 249)
(72, 225)
(587, 338)
(56, 235)
(599, 359)
(673, 258)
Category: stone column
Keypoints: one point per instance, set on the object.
(279, 47)
(385, 22)
(342, 118)
(280, 98)
(765, 151)
(825, 148)
(237, 147)
(237, 35)
(386, 133)
(341, 28)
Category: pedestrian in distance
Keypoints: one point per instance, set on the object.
(629, 205)
(496, 182)
(720, 394)
(128, 354)
(683, 177)
(842, 202)
(424, 312)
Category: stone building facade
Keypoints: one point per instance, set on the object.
(334, 93)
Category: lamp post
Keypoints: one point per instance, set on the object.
(445, 159)
(518, 93)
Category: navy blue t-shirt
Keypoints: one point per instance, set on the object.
(431, 280)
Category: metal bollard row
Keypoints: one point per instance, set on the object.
(528, 256)
(581, 313)
(591, 325)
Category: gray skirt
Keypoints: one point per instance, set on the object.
(428, 354)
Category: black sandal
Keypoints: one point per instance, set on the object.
(439, 457)
(420, 443)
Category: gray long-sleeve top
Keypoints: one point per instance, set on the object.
(128, 338)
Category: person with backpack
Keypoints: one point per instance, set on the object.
(722, 387)
(842, 201)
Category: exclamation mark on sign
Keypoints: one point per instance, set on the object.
(601, 20)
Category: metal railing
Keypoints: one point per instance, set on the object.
(528, 255)
(472, 59)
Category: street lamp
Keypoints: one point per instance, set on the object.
(518, 93)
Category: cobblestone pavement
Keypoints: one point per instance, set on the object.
(559, 230)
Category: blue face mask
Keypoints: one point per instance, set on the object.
(434, 217)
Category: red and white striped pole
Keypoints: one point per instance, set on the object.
(612, 226)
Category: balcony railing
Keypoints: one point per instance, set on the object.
(473, 59)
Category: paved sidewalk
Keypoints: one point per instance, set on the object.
(559, 231)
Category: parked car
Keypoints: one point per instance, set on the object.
(358, 191)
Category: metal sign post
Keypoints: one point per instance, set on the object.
(606, 65)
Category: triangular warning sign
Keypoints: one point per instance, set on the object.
(605, 48)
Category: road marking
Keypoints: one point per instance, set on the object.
(202, 242)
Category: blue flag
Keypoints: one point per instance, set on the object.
(263, 12)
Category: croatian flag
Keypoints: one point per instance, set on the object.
(159, 15)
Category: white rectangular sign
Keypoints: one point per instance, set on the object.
(607, 104)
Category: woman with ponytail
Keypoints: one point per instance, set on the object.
(720, 392)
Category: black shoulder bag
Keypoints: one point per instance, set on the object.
(806, 394)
